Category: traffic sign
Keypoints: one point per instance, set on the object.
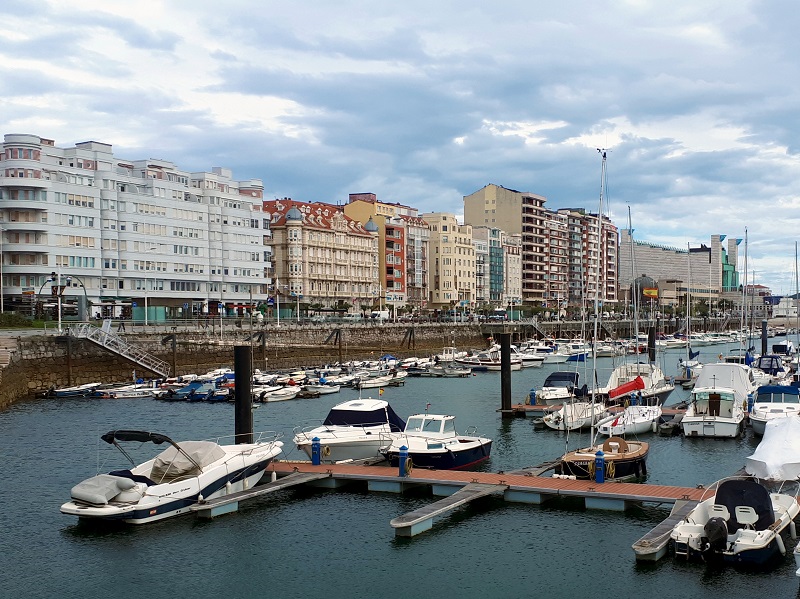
(270, 301)
(133, 304)
(186, 305)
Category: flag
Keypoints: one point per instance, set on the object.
(650, 291)
(380, 391)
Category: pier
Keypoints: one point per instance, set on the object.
(461, 487)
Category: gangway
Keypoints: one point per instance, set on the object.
(107, 339)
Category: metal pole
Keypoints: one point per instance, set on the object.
(2, 257)
(278, 299)
(145, 302)
(297, 295)
(505, 374)
(58, 289)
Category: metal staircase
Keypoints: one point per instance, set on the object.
(116, 344)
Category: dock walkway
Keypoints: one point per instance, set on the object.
(653, 546)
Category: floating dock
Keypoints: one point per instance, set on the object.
(653, 546)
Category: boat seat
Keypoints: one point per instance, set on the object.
(718, 510)
(746, 516)
(621, 445)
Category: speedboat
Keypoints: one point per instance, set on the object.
(488, 360)
(718, 401)
(173, 481)
(432, 442)
(575, 415)
(352, 430)
(771, 402)
(559, 387)
(322, 388)
(622, 460)
(741, 523)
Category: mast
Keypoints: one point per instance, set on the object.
(597, 290)
(689, 305)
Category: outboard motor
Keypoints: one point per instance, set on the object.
(715, 537)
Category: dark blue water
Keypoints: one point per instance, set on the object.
(338, 544)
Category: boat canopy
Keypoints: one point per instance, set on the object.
(138, 436)
(777, 457)
(380, 415)
(745, 492)
(561, 379)
(771, 364)
(778, 394)
(185, 460)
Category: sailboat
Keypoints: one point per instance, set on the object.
(623, 459)
(689, 369)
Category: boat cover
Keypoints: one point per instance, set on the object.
(171, 464)
(778, 394)
(777, 456)
(100, 489)
(746, 492)
(561, 379)
(382, 415)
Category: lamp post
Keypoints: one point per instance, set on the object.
(2, 288)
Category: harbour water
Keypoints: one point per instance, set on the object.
(338, 544)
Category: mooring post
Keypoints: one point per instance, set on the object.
(242, 368)
(505, 374)
(763, 337)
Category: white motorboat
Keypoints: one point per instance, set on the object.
(634, 420)
(282, 394)
(575, 415)
(558, 388)
(647, 378)
(771, 402)
(432, 442)
(394, 378)
(488, 360)
(352, 430)
(741, 523)
(173, 481)
(528, 359)
(322, 388)
(718, 401)
(132, 391)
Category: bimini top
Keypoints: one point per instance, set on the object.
(364, 412)
(139, 436)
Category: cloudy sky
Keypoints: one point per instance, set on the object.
(423, 102)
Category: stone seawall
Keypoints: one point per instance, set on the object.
(41, 362)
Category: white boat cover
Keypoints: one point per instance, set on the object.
(171, 464)
(100, 489)
(777, 456)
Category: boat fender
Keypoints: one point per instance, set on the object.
(792, 529)
(779, 541)
(326, 451)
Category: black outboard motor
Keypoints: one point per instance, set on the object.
(715, 538)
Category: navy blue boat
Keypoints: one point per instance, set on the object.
(432, 442)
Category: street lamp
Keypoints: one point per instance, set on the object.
(2, 257)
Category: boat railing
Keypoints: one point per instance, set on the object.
(258, 438)
(305, 431)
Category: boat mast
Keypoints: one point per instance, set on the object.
(603, 153)
(796, 296)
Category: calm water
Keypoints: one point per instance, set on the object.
(338, 544)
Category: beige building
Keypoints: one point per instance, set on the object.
(451, 280)
(322, 256)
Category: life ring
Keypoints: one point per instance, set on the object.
(326, 451)
(409, 466)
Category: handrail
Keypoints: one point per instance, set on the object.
(118, 345)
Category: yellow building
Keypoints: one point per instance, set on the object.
(451, 281)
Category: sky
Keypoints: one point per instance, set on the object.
(424, 102)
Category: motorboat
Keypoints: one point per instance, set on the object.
(131, 391)
(529, 359)
(646, 378)
(448, 371)
(488, 360)
(771, 402)
(173, 481)
(575, 415)
(322, 388)
(432, 442)
(394, 378)
(777, 456)
(352, 430)
(558, 388)
(769, 370)
(623, 460)
(634, 420)
(75, 391)
(281, 394)
(740, 523)
(718, 401)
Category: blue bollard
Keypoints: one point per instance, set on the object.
(316, 451)
(599, 466)
(750, 400)
(402, 458)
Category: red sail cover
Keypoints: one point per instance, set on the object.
(633, 385)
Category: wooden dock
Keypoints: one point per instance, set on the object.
(519, 486)
(230, 503)
(653, 546)
(420, 520)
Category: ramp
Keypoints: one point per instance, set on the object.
(117, 344)
(420, 520)
(230, 503)
(653, 546)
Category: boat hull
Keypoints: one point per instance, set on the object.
(710, 426)
(619, 469)
(445, 459)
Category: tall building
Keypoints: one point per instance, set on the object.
(322, 256)
(452, 263)
(512, 270)
(403, 241)
(119, 235)
(560, 250)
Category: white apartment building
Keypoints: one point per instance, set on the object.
(451, 264)
(119, 235)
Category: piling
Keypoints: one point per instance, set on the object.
(763, 337)
(505, 374)
(242, 367)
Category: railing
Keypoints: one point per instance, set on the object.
(114, 343)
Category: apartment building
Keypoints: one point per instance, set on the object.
(119, 235)
(322, 256)
(452, 263)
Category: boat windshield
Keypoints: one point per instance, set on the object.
(421, 424)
